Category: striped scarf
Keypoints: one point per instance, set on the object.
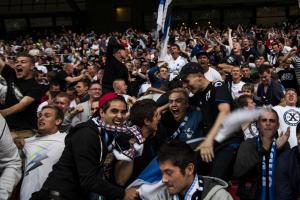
(270, 174)
(133, 131)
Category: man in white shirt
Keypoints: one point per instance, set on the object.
(209, 73)
(42, 151)
(289, 115)
(177, 61)
(235, 85)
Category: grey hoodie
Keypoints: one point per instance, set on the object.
(214, 189)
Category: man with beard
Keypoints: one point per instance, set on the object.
(86, 165)
(22, 96)
(215, 102)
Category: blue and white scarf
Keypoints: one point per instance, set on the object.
(189, 127)
(194, 191)
(270, 174)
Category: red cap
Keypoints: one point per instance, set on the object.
(107, 97)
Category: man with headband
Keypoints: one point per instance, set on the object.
(86, 165)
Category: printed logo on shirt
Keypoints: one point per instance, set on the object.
(218, 84)
(253, 129)
(189, 133)
(291, 117)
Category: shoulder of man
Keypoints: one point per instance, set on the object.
(214, 188)
(81, 128)
(218, 84)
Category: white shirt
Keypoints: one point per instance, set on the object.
(175, 66)
(236, 88)
(288, 117)
(144, 87)
(41, 153)
(212, 75)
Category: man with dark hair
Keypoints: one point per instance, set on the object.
(145, 115)
(247, 50)
(270, 91)
(178, 166)
(215, 103)
(81, 89)
(142, 113)
(246, 74)
(42, 151)
(93, 149)
(94, 92)
(209, 72)
(293, 57)
(177, 61)
(22, 96)
(274, 55)
(288, 172)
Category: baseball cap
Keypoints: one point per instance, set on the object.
(190, 68)
(104, 99)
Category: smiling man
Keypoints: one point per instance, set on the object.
(22, 96)
(86, 166)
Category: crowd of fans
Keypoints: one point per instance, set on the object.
(85, 114)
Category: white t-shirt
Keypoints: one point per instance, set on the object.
(41, 153)
(212, 75)
(288, 117)
(236, 88)
(144, 87)
(175, 66)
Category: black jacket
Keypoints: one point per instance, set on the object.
(79, 170)
(273, 95)
(112, 71)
